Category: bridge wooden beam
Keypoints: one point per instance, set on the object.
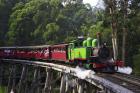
(38, 83)
(25, 81)
(63, 84)
(90, 88)
(74, 90)
(49, 75)
(69, 82)
(107, 90)
(35, 80)
(1, 73)
(22, 79)
(81, 86)
(11, 82)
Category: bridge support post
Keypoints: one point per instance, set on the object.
(81, 87)
(22, 78)
(1, 73)
(71, 84)
(11, 82)
(75, 87)
(107, 90)
(67, 84)
(97, 90)
(91, 88)
(26, 82)
(38, 84)
(34, 82)
(74, 90)
(63, 84)
(47, 87)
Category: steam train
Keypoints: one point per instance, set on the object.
(83, 52)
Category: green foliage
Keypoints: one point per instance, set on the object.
(2, 89)
(131, 23)
(47, 21)
(136, 64)
(5, 12)
(51, 32)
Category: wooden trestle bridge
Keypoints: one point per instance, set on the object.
(24, 76)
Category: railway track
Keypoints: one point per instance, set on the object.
(128, 78)
(128, 81)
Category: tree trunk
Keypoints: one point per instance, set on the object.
(115, 46)
(114, 27)
(124, 30)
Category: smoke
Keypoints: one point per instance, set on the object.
(125, 70)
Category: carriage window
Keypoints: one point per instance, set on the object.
(58, 49)
(7, 51)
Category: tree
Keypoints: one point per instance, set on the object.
(5, 11)
(126, 16)
(52, 30)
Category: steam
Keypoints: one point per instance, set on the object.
(125, 70)
(84, 73)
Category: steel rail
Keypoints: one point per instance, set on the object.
(133, 77)
(128, 78)
(124, 81)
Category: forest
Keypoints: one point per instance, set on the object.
(39, 22)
